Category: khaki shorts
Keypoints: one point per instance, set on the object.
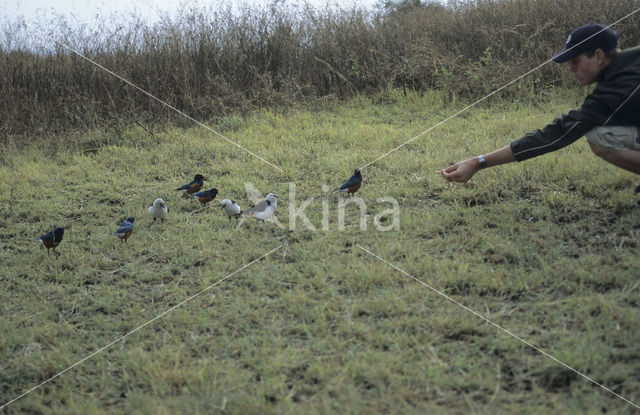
(615, 138)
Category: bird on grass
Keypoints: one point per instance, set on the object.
(158, 210)
(193, 186)
(353, 184)
(52, 239)
(206, 196)
(263, 210)
(636, 191)
(125, 230)
(231, 208)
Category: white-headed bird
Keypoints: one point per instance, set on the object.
(230, 208)
(158, 210)
(263, 210)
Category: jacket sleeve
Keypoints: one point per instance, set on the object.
(563, 131)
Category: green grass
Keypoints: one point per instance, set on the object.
(547, 249)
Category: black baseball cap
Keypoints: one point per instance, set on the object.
(587, 38)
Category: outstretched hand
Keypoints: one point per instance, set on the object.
(462, 171)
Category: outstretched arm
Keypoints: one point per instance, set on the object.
(464, 170)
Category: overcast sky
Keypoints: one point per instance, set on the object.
(86, 10)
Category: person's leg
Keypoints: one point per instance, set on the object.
(626, 159)
(618, 145)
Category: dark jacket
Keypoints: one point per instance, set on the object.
(614, 101)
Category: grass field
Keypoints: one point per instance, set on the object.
(546, 249)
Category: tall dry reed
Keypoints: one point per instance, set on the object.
(210, 63)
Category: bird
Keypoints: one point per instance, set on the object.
(353, 184)
(265, 209)
(193, 186)
(206, 196)
(125, 230)
(158, 210)
(52, 239)
(230, 208)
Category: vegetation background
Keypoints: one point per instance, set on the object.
(546, 249)
(211, 63)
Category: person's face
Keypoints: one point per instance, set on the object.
(586, 69)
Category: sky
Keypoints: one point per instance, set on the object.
(86, 10)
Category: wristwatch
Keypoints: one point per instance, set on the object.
(482, 163)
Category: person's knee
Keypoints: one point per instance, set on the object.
(608, 140)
